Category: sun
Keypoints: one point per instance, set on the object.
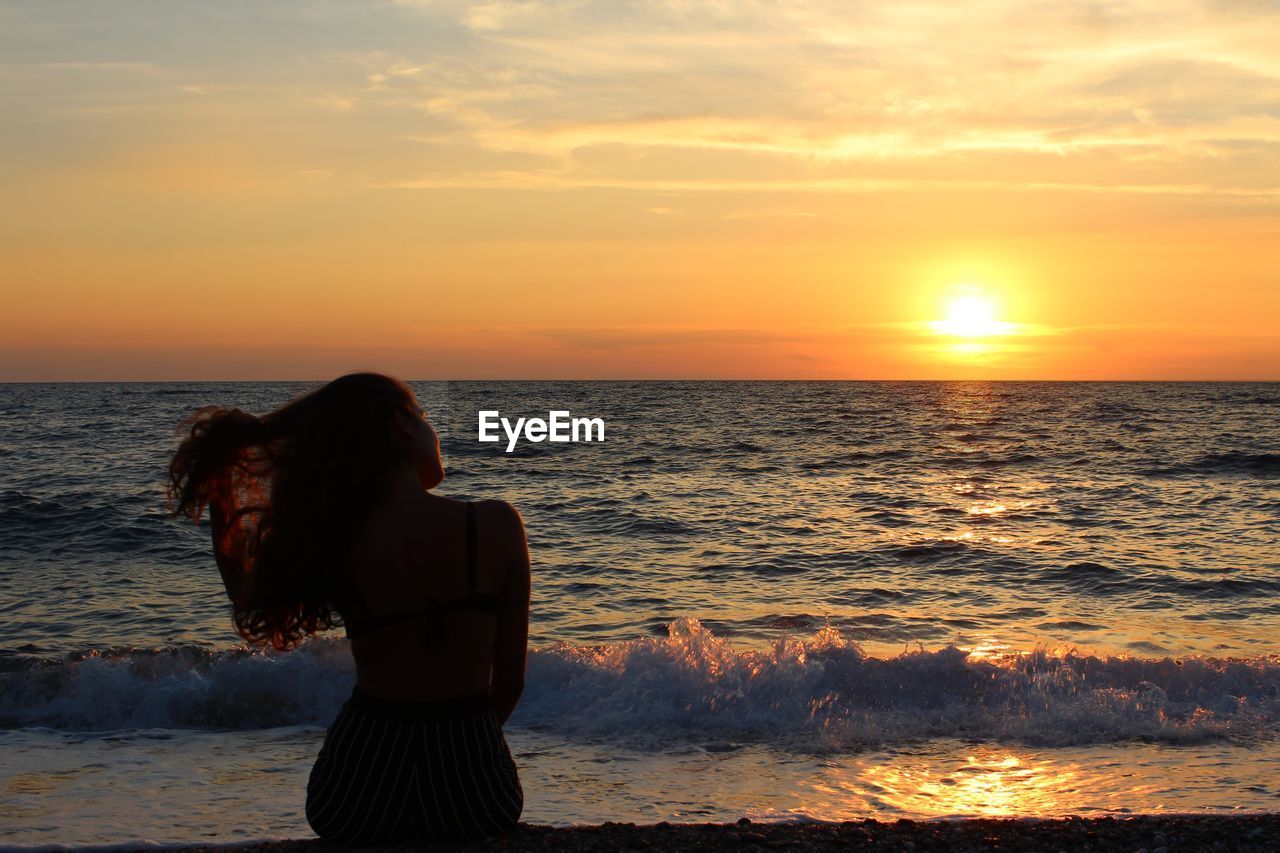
(971, 315)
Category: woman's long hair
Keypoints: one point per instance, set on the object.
(287, 493)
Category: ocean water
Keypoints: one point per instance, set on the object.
(784, 600)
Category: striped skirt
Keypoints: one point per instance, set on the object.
(392, 772)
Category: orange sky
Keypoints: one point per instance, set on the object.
(662, 189)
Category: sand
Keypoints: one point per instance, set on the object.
(1153, 834)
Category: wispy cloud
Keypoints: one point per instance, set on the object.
(707, 167)
(807, 92)
(1178, 96)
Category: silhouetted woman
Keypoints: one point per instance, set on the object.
(322, 509)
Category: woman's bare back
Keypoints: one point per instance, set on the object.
(412, 552)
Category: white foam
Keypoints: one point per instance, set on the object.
(825, 694)
(821, 693)
(181, 687)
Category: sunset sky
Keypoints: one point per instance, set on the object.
(441, 190)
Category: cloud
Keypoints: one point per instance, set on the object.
(807, 92)
(1127, 97)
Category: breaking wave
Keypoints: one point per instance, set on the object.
(821, 693)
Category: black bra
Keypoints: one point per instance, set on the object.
(360, 622)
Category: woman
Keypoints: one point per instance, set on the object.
(320, 511)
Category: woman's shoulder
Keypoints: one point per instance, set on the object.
(497, 507)
(500, 516)
(492, 514)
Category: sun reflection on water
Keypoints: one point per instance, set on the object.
(992, 650)
(988, 782)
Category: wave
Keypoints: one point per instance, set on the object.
(1238, 461)
(29, 521)
(952, 555)
(994, 461)
(1100, 580)
(855, 459)
(182, 687)
(627, 523)
(93, 526)
(1226, 462)
(825, 693)
(816, 694)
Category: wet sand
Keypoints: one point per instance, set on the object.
(1153, 834)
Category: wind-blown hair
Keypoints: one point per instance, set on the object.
(287, 493)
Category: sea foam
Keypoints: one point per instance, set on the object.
(819, 693)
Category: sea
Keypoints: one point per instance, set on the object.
(786, 601)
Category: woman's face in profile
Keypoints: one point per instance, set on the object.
(424, 447)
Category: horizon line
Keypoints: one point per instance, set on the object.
(617, 379)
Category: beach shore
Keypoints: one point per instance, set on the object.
(1154, 834)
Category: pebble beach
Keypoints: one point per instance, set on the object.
(1152, 834)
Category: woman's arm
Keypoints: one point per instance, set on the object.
(512, 641)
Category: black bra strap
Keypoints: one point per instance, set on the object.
(471, 547)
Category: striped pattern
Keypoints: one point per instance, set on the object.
(385, 778)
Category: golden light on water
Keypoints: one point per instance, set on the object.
(989, 783)
(992, 785)
(992, 650)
